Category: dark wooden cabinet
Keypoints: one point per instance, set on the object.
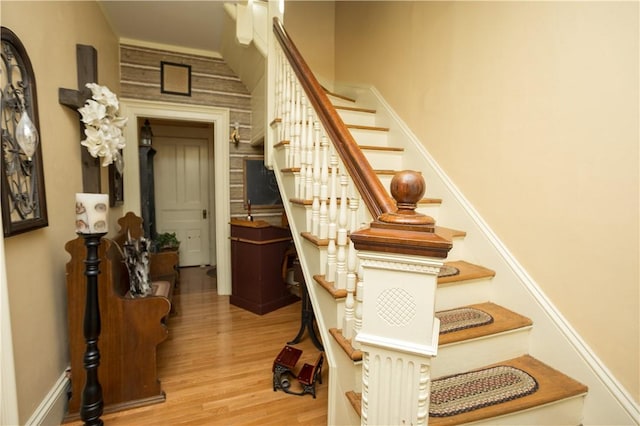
(147, 191)
(257, 253)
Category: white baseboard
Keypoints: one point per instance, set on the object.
(53, 407)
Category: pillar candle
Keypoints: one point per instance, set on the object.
(91, 213)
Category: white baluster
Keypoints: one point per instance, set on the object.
(303, 150)
(286, 115)
(278, 111)
(295, 138)
(315, 206)
(308, 190)
(352, 262)
(333, 217)
(324, 188)
(341, 258)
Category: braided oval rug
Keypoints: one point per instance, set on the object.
(462, 318)
(470, 391)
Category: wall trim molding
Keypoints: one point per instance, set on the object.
(134, 108)
(54, 406)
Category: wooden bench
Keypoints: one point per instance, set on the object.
(132, 328)
(309, 374)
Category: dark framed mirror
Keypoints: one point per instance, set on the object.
(24, 205)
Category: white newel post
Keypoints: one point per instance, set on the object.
(399, 336)
(400, 257)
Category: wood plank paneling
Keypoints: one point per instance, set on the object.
(213, 83)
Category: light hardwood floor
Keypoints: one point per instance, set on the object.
(215, 367)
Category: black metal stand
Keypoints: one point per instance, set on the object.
(307, 320)
(92, 403)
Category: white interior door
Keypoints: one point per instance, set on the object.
(181, 174)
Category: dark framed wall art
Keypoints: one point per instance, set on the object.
(24, 205)
(175, 78)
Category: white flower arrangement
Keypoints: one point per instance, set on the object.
(103, 125)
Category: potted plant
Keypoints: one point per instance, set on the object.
(167, 241)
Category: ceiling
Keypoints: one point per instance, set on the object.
(184, 23)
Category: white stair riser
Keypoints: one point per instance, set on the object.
(564, 412)
(301, 216)
(454, 295)
(289, 182)
(370, 137)
(458, 250)
(385, 180)
(357, 117)
(387, 160)
(472, 354)
(430, 210)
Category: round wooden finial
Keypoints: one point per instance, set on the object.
(407, 188)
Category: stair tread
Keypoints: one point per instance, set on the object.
(357, 109)
(361, 127)
(428, 200)
(328, 285)
(385, 172)
(449, 233)
(381, 148)
(552, 386)
(503, 320)
(468, 271)
(336, 95)
(355, 398)
(345, 344)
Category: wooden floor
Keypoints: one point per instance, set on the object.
(215, 367)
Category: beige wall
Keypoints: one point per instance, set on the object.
(310, 24)
(532, 110)
(36, 260)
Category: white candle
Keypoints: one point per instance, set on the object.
(91, 213)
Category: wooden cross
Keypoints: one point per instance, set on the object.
(87, 64)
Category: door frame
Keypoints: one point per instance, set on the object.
(134, 108)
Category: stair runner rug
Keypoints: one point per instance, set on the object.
(470, 391)
(462, 318)
(448, 271)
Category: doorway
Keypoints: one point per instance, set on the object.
(184, 187)
(218, 118)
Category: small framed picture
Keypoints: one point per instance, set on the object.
(175, 78)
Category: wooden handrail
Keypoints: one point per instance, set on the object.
(374, 195)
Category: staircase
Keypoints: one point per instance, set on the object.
(480, 320)
(503, 341)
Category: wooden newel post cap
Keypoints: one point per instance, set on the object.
(407, 189)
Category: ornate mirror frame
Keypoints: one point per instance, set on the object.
(24, 205)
